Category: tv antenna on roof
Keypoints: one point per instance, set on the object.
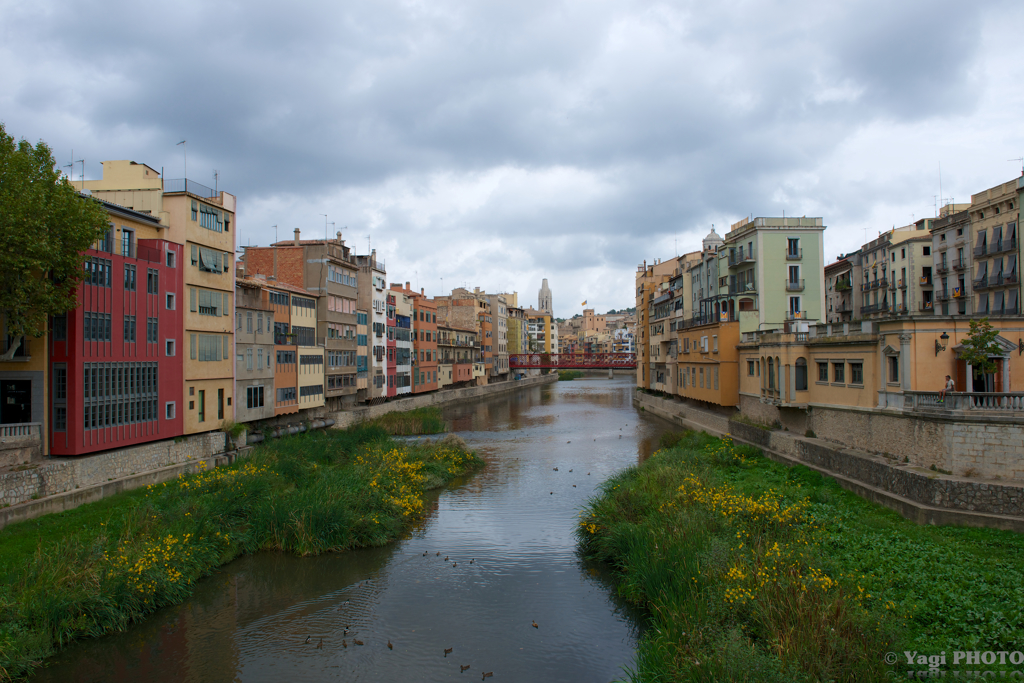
(216, 180)
(275, 233)
(1021, 160)
(184, 152)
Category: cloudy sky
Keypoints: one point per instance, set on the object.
(493, 144)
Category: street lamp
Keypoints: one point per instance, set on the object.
(941, 347)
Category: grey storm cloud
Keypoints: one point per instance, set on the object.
(498, 143)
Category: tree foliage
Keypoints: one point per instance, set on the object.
(979, 345)
(45, 226)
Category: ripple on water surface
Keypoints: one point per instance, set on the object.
(507, 533)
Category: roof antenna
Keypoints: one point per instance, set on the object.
(184, 151)
(1020, 159)
(216, 179)
(275, 234)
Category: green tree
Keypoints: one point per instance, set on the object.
(979, 345)
(45, 225)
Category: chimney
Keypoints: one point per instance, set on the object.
(421, 292)
(339, 235)
(407, 286)
(296, 237)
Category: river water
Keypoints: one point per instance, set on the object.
(506, 560)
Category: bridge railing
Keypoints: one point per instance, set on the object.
(575, 361)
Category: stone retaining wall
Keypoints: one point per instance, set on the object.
(894, 482)
(56, 476)
(985, 446)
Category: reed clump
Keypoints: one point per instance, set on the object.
(90, 573)
(754, 571)
(568, 375)
(425, 420)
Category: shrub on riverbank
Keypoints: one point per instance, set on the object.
(752, 571)
(425, 420)
(568, 375)
(81, 574)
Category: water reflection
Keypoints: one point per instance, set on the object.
(507, 559)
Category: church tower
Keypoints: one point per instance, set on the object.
(544, 298)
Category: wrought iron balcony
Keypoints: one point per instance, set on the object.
(794, 255)
(794, 285)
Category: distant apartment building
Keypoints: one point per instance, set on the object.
(424, 340)
(650, 280)
(995, 277)
(518, 336)
(287, 316)
(951, 263)
(404, 331)
(115, 361)
(897, 273)
(458, 356)
(839, 289)
(326, 269)
(254, 351)
(202, 220)
(391, 345)
(771, 270)
(371, 297)
(499, 334)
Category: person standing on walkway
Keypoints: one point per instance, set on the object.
(950, 387)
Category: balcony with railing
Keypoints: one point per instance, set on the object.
(1002, 402)
(941, 269)
(959, 264)
(981, 250)
(926, 307)
(901, 283)
(925, 281)
(794, 285)
(797, 315)
(794, 254)
(868, 308)
(742, 287)
(984, 282)
(190, 187)
(1009, 244)
(741, 256)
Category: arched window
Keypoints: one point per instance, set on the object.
(771, 372)
(801, 374)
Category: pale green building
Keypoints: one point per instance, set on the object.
(771, 271)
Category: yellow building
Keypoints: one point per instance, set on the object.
(707, 364)
(895, 364)
(203, 221)
(311, 375)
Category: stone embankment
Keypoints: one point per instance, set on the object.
(55, 484)
(919, 494)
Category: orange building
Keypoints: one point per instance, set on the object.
(286, 346)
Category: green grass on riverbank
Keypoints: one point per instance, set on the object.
(100, 567)
(568, 375)
(425, 420)
(754, 571)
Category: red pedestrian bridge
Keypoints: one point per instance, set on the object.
(572, 361)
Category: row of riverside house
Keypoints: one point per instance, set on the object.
(173, 336)
(758, 321)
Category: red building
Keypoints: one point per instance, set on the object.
(116, 362)
(424, 338)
